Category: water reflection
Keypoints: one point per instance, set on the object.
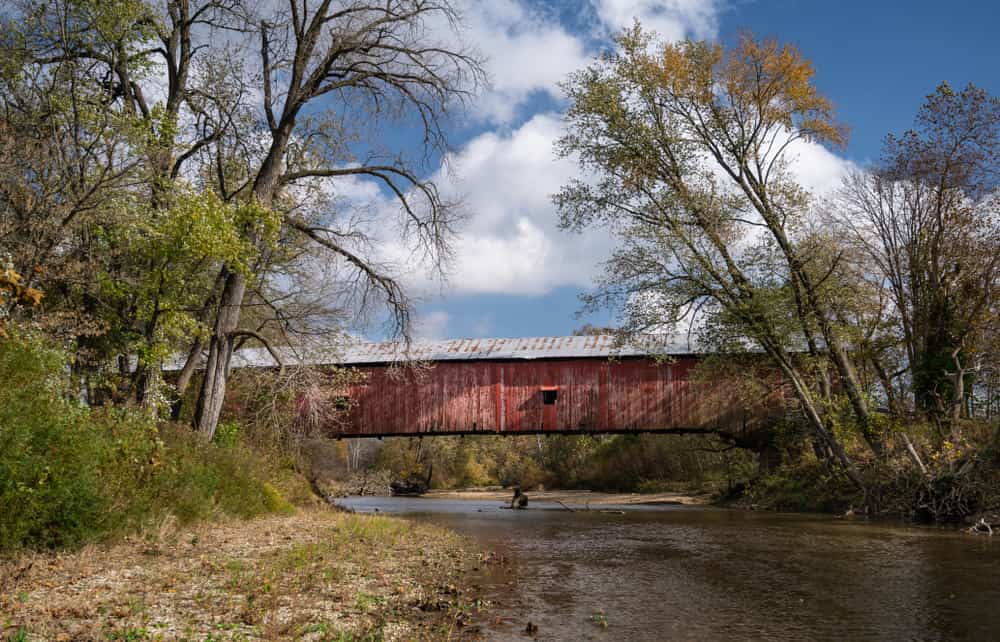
(681, 573)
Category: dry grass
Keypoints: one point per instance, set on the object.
(317, 575)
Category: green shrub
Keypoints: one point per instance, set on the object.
(658, 463)
(806, 485)
(51, 454)
(227, 434)
(70, 474)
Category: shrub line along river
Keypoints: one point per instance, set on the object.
(672, 572)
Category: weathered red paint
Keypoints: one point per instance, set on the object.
(594, 395)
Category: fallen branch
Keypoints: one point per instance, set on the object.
(982, 526)
(913, 453)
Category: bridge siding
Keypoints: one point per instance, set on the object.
(595, 394)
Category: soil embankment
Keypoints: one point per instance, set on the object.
(315, 575)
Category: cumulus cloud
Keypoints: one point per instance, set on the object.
(817, 168)
(670, 19)
(511, 244)
(527, 51)
(506, 175)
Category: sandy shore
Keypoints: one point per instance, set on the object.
(575, 498)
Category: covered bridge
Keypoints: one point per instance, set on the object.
(586, 384)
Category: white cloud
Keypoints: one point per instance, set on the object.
(526, 52)
(432, 326)
(670, 19)
(529, 51)
(512, 244)
(816, 167)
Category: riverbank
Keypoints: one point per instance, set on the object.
(577, 498)
(319, 574)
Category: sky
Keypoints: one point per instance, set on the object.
(515, 274)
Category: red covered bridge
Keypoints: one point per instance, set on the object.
(533, 385)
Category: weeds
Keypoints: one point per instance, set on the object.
(317, 575)
(70, 474)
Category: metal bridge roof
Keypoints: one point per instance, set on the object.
(599, 346)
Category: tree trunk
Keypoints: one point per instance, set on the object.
(816, 421)
(220, 351)
(849, 380)
(890, 393)
(227, 320)
(184, 378)
(841, 361)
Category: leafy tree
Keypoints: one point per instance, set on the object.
(688, 148)
(176, 165)
(928, 218)
(90, 170)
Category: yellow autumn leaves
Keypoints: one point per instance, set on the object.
(756, 82)
(12, 293)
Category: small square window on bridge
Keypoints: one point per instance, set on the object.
(549, 395)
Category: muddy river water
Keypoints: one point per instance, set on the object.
(693, 573)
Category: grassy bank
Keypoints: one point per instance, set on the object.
(71, 474)
(314, 575)
(115, 525)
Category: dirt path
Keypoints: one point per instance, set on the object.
(316, 575)
(577, 498)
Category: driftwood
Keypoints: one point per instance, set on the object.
(913, 453)
(404, 487)
(412, 485)
(981, 527)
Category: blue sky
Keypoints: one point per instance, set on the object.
(516, 274)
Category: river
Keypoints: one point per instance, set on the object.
(695, 573)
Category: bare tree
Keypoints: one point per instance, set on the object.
(370, 62)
